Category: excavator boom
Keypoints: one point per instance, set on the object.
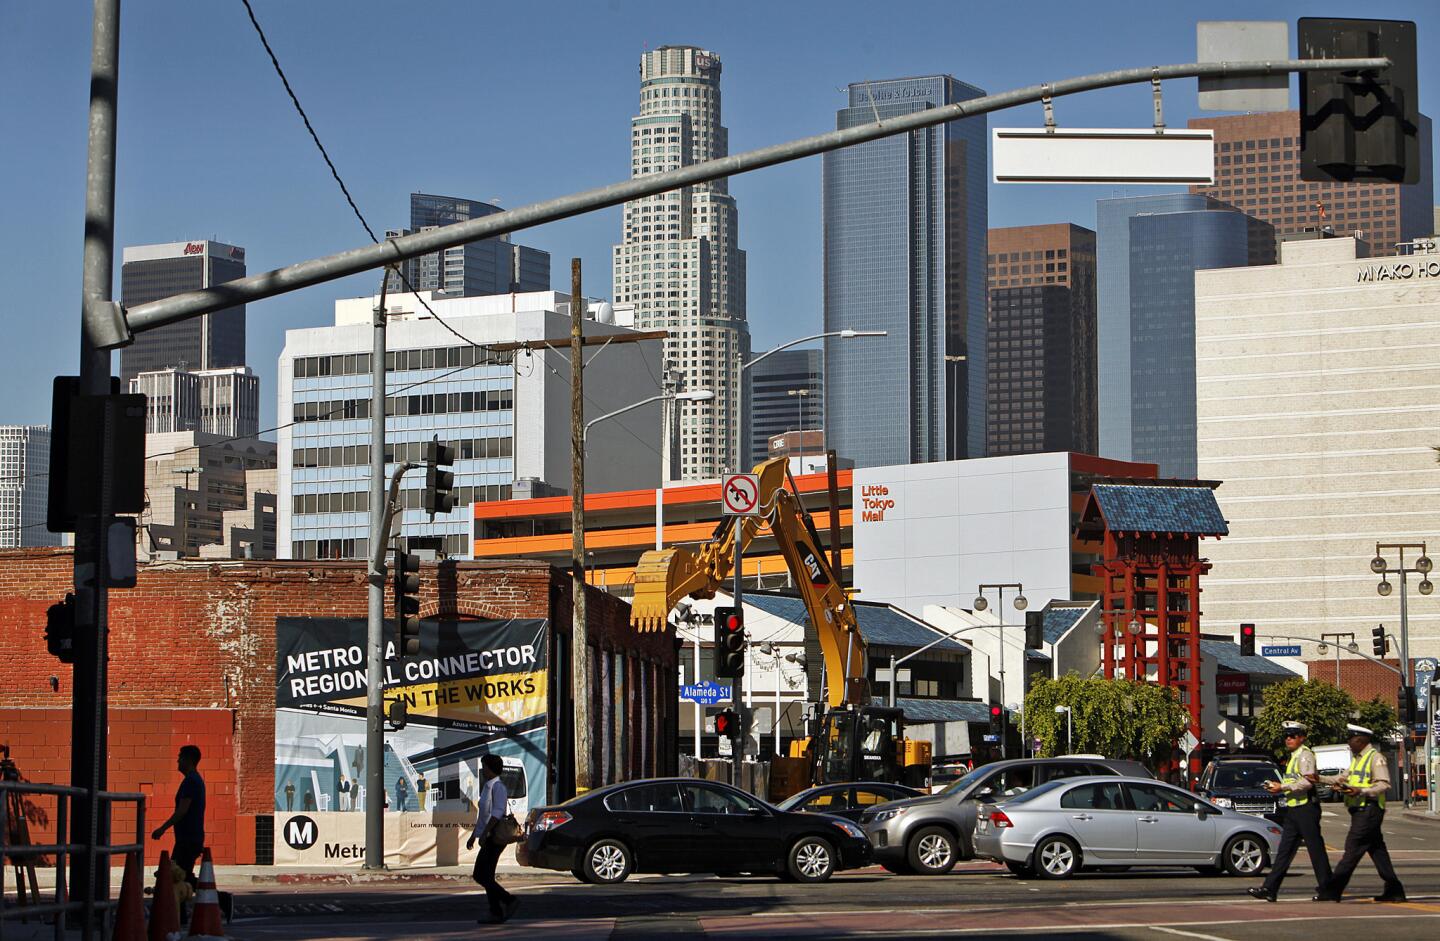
(664, 577)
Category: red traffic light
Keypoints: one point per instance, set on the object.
(995, 712)
(1247, 630)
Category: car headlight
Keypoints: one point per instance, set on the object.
(849, 829)
(1223, 802)
(881, 815)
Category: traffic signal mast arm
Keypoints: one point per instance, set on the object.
(392, 505)
(664, 577)
(1311, 640)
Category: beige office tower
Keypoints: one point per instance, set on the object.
(1318, 404)
(679, 264)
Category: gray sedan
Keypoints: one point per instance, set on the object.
(1057, 828)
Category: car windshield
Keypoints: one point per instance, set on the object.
(1035, 792)
(1241, 777)
(968, 780)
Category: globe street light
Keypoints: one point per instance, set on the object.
(846, 334)
(1422, 567)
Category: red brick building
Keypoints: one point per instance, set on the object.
(192, 659)
(1360, 678)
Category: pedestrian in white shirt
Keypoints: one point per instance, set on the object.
(491, 809)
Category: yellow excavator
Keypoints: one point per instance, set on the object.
(854, 740)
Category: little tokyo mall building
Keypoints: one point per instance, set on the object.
(261, 664)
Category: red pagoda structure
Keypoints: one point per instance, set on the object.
(1147, 536)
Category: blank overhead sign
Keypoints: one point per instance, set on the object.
(1103, 155)
(1243, 41)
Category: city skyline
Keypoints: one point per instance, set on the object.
(291, 210)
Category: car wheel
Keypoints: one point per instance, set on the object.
(1244, 855)
(899, 869)
(1023, 870)
(606, 863)
(811, 859)
(932, 851)
(1056, 857)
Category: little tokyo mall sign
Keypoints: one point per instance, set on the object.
(875, 501)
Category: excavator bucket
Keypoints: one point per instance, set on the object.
(651, 605)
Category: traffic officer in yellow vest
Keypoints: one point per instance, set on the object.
(1364, 785)
(1302, 815)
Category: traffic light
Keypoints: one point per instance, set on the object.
(1034, 630)
(60, 629)
(727, 724)
(1377, 640)
(1409, 708)
(997, 719)
(1247, 640)
(729, 642)
(438, 483)
(407, 603)
(1361, 126)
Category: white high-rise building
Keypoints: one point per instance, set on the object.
(1318, 400)
(679, 265)
(222, 401)
(24, 486)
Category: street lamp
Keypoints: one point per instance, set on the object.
(800, 395)
(1069, 728)
(1020, 603)
(846, 334)
(697, 395)
(1422, 567)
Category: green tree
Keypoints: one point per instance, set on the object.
(1323, 708)
(1116, 718)
(1378, 716)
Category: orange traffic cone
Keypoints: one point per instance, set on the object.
(205, 922)
(130, 916)
(164, 913)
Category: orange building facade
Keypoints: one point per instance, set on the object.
(620, 526)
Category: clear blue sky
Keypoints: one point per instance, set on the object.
(507, 101)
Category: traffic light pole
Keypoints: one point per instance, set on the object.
(375, 614)
(89, 872)
(737, 753)
(579, 627)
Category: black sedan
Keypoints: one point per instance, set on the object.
(847, 800)
(686, 825)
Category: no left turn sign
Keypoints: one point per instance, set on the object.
(740, 495)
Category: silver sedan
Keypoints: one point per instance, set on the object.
(1056, 829)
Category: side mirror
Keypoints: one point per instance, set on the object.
(1202, 812)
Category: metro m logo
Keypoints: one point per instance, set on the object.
(301, 832)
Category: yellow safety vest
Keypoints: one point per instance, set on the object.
(1292, 774)
(1359, 776)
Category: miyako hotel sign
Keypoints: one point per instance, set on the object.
(1410, 269)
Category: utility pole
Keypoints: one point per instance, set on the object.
(89, 872)
(375, 614)
(579, 639)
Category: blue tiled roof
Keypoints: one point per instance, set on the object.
(1059, 620)
(879, 623)
(940, 710)
(1228, 657)
(1161, 509)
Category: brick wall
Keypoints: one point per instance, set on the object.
(143, 746)
(194, 644)
(1360, 678)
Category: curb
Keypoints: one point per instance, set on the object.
(1420, 816)
(363, 878)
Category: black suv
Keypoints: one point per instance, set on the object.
(1238, 781)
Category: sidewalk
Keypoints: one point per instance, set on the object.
(1418, 815)
(235, 878)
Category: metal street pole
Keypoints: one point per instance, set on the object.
(375, 599)
(579, 637)
(114, 330)
(90, 872)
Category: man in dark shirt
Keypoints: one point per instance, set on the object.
(189, 816)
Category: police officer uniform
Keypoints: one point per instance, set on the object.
(1368, 778)
(1301, 819)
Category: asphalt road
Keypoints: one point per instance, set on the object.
(979, 900)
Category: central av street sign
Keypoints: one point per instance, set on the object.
(1280, 650)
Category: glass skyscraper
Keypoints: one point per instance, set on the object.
(151, 272)
(905, 224)
(489, 266)
(786, 392)
(1149, 248)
